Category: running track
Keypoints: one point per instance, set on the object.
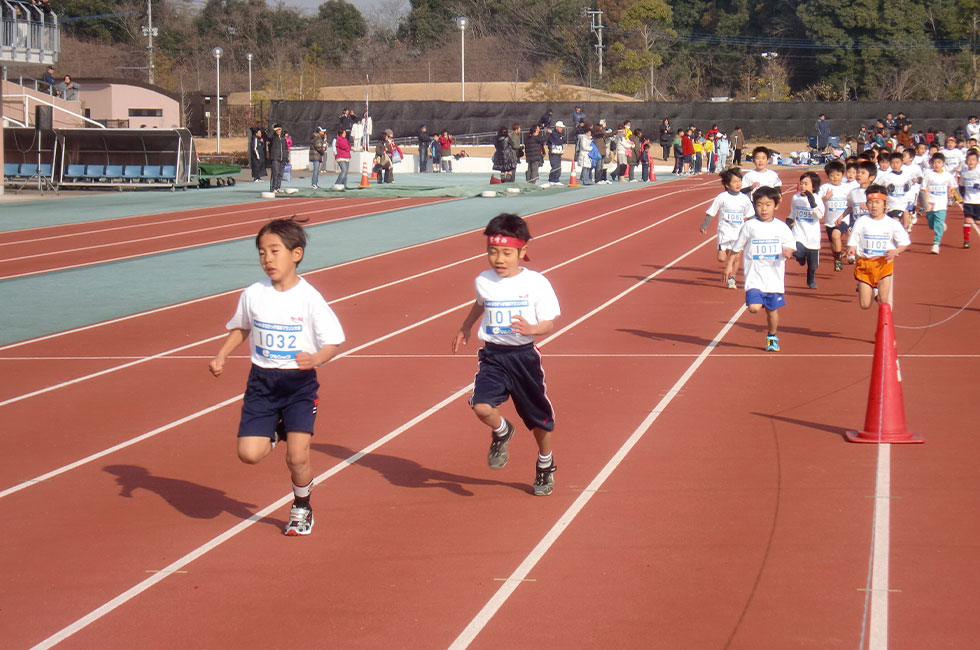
(705, 496)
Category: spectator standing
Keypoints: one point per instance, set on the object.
(318, 147)
(515, 145)
(423, 139)
(678, 155)
(823, 132)
(346, 122)
(738, 143)
(972, 129)
(278, 156)
(578, 117)
(545, 121)
(382, 158)
(446, 151)
(556, 147)
(666, 137)
(723, 148)
(341, 153)
(583, 155)
(68, 89)
(687, 151)
(48, 78)
(601, 147)
(503, 156)
(257, 153)
(534, 151)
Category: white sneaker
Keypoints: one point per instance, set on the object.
(935, 249)
(851, 259)
(731, 283)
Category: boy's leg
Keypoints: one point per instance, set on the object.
(544, 478)
(772, 321)
(865, 295)
(812, 262)
(252, 449)
(301, 475)
(938, 226)
(501, 433)
(885, 290)
(967, 226)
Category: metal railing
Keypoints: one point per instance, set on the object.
(26, 29)
(29, 98)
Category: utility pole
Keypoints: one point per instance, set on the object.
(596, 27)
(149, 31)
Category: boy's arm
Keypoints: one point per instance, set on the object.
(893, 253)
(306, 361)
(233, 340)
(524, 328)
(463, 335)
(707, 219)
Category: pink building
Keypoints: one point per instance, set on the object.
(128, 104)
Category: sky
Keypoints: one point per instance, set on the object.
(365, 6)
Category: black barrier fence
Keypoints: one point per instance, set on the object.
(773, 120)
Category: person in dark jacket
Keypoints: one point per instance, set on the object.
(257, 153)
(423, 148)
(318, 147)
(503, 156)
(823, 132)
(545, 121)
(534, 152)
(516, 145)
(278, 157)
(556, 147)
(666, 138)
(347, 120)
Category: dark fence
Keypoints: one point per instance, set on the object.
(775, 120)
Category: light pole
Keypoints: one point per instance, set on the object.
(461, 22)
(770, 58)
(217, 52)
(249, 55)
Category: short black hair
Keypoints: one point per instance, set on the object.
(288, 229)
(880, 189)
(813, 179)
(760, 150)
(728, 175)
(895, 155)
(765, 192)
(869, 167)
(509, 225)
(938, 156)
(834, 166)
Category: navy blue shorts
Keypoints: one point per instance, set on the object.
(514, 371)
(273, 394)
(771, 301)
(971, 210)
(842, 228)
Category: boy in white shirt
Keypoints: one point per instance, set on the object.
(915, 171)
(953, 155)
(970, 190)
(514, 304)
(937, 183)
(898, 183)
(834, 197)
(732, 208)
(761, 176)
(806, 212)
(877, 241)
(769, 242)
(856, 206)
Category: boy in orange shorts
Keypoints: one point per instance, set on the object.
(876, 241)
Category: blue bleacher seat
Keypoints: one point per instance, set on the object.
(28, 169)
(45, 170)
(94, 171)
(75, 171)
(132, 172)
(169, 172)
(113, 171)
(151, 172)
(11, 170)
(811, 141)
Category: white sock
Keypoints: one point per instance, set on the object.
(302, 492)
(502, 428)
(544, 461)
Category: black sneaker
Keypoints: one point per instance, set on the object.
(300, 521)
(544, 480)
(497, 457)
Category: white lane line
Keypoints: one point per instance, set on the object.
(179, 564)
(484, 616)
(161, 251)
(574, 355)
(874, 625)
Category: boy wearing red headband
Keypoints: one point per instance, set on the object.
(877, 241)
(513, 304)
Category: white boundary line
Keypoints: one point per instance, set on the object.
(874, 624)
(179, 564)
(558, 355)
(483, 617)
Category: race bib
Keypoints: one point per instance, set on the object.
(837, 205)
(874, 245)
(276, 341)
(765, 249)
(500, 313)
(734, 218)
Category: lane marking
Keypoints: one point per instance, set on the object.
(571, 355)
(139, 588)
(483, 617)
(874, 623)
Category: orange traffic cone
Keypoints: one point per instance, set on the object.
(493, 179)
(365, 179)
(885, 418)
(653, 172)
(573, 179)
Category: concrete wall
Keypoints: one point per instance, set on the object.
(13, 107)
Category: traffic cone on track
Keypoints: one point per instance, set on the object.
(885, 418)
(494, 180)
(653, 172)
(365, 179)
(573, 179)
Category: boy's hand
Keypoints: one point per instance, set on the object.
(522, 327)
(891, 255)
(305, 361)
(462, 338)
(702, 230)
(216, 366)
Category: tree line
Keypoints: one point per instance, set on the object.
(661, 50)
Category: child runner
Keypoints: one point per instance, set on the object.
(937, 183)
(769, 242)
(291, 331)
(515, 305)
(898, 183)
(761, 176)
(856, 206)
(806, 213)
(834, 196)
(877, 241)
(735, 208)
(915, 172)
(970, 191)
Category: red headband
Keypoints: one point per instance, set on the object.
(508, 242)
(876, 195)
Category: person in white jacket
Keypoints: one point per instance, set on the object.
(583, 146)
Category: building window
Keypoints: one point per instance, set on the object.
(146, 112)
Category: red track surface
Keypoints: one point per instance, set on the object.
(740, 519)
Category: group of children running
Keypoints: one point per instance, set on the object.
(872, 200)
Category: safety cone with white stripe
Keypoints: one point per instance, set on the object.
(573, 179)
(365, 179)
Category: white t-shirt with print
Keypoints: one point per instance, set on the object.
(528, 294)
(834, 198)
(767, 178)
(875, 237)
(732, 210)
(857, 202)
(898, 186)
(806, 220)
(970, 182)
(954, 157)
(285, 323)
(763, 243)
(937, 187)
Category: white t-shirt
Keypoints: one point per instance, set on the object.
(767, 178)
(806, 220)
(922, 161)
(732, 211)
(856, 201)
(954, 157)
(970, 182)
(763, 243)
(284, 323)
(528, 294)
(898, 187)
(937, 186)
(834, 198)
(875, 237)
